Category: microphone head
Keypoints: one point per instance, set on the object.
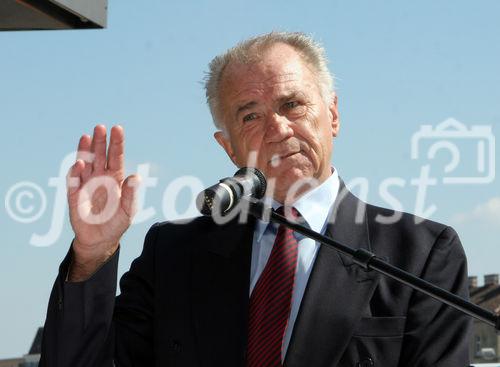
(215, 196)
(226, 194)
(259, 183)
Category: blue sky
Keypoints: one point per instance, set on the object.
(397, 65)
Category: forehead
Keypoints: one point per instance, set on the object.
(279, 69)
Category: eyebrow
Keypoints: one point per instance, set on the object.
(290, 95)
(245, 107)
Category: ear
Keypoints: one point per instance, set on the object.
(334, 118)
(225, 143)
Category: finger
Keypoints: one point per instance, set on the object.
(84, 154)
(98, 147)
(116, 149)
(129, 194)
(73, 178)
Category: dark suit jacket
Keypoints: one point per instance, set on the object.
(184, 301)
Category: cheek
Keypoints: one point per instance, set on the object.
(310, 140)
(246, 149)
(314, 125)
(315, 141)
(321, 132)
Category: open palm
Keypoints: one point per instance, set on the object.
(101, 202)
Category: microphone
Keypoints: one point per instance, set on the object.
(225, 195)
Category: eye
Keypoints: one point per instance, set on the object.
(250, 117)
(291, 104)
(293, 109)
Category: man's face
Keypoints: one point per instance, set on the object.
(274, 107)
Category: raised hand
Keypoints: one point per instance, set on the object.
(101, 202)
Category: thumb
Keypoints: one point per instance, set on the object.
(129, 194)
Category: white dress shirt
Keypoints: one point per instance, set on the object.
(314, 206)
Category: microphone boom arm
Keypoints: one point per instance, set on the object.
(370, 261)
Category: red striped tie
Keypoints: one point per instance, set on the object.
(270, 301)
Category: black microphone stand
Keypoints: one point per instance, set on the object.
(369, 261)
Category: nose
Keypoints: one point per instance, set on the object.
(278, 128)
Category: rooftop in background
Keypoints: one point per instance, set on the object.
(36, 347)
(28, 360)
(488, 295)
(52, 14)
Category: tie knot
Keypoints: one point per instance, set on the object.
(290, 213)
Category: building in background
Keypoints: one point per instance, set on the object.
(485, 342)
(28, 360)
(14, 362)
(30, 15)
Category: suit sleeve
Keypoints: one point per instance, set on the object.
(86, 326)
(436, 334)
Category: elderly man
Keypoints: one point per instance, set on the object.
(254, 294)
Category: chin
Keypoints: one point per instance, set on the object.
(282, 180)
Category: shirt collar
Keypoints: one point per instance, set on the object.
(314, 206)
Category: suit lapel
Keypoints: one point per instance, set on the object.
(220, 288)
(337, 293)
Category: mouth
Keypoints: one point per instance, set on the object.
(277, 158)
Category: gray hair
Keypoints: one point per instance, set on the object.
(248, 51)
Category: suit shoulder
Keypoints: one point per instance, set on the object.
(186, 234)
(182, 229)
(409, 235)
(393, 220)
(188, 224)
